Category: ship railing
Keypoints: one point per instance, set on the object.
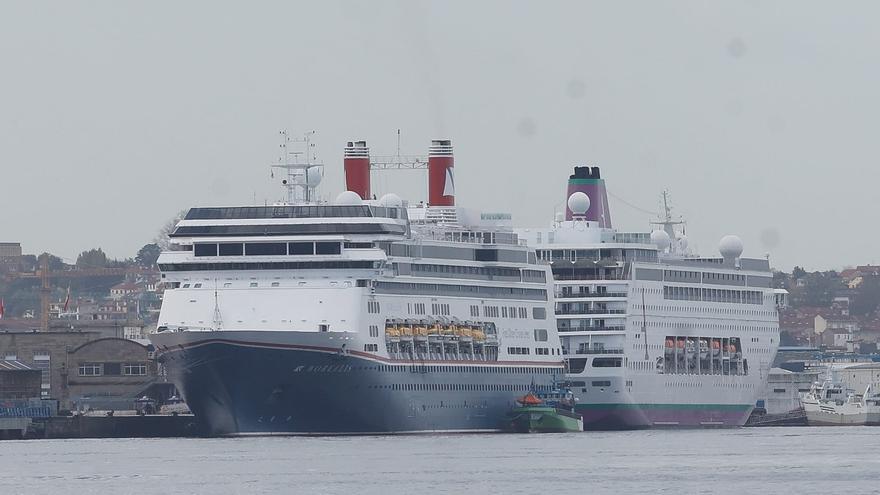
(569, 311)
(561, 275)
(573, 295)
(611, 328)
(606, 350)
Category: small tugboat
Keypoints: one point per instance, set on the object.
(554, 413)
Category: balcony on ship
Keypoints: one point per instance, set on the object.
(612, 309)
(566, 326)
(585, 295)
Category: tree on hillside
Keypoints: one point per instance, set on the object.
(148, 254)
(93, 258)
(867, 298)
(798, 272)
(163, 239)
(781, 280)
(55, 263)
(820, 288)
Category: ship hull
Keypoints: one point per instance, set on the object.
(640, 416)
(237, 386)
(630, 401)
(834, 415)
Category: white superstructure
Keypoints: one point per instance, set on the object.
(652, 334)
(356, 315)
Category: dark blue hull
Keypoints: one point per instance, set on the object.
(237, 388)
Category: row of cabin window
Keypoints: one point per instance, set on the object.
(276, 265)
(503, 370)
(481, 387)
(254, 212)
(712, 295)
(494, 271)
(511, 312)
(296, 229)
(267, 248)
(577, 365)
(412, 289)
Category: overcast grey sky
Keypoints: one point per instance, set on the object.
(759, 117)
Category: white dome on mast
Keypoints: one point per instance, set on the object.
(579, 203)
(314, 176)
(660, 239)
(730, 247)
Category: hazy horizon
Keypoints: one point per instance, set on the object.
(755, 116)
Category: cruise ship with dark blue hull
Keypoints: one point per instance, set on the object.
(239, 387)
(357, 316)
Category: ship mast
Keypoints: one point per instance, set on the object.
(300, 179)
(666, 222)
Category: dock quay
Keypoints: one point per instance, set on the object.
(132, 426)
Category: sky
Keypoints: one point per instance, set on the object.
(759, 118)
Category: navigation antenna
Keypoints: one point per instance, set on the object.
(218, 319)
(667, 223)
(302, 172)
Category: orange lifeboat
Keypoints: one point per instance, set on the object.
(670, 344)
(530, 400)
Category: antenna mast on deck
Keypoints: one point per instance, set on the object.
(218, 318)
(302, 172)
(666, 222)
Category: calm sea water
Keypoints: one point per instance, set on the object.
(743, 461)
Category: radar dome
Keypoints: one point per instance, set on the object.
(683, 242)
(348, 198)
(660, 239)
(730, 246)
(314, 176)
(391, 200)
(578, 203)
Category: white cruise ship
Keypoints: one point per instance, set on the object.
(652, 334)
(356, 316)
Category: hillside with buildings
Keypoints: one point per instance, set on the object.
(832, 310)
(119, 298)
(81, 326)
